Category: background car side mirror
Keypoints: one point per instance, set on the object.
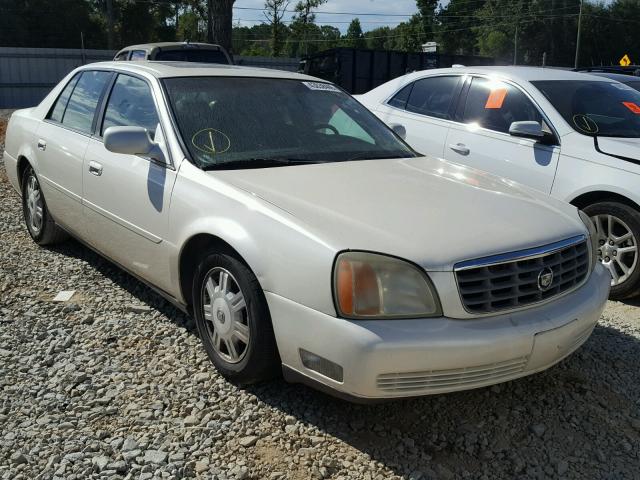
(400, 130)
(132, 141)
(527, 129)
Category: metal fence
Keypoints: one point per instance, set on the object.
(28, 74)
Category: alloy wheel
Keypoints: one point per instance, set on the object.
(226, 315)
(618, 247)
(35, 205)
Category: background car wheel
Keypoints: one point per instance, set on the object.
(618, 227)
(40, 225)
(233, 320)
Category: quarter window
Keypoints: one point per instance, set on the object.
(138, 55)
(495, 105)
(122, 56)
(130, 104)
(433, 96)
(400, 98)
(61, 104)
(81, 108)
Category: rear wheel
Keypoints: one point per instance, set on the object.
(40, 224)
(233, 320)
(618, 227)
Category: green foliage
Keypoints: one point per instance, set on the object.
(354, 37)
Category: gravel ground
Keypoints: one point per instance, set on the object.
(114, 384)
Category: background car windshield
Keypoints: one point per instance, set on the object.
(186, 55)
(231, 119)
(596, 108)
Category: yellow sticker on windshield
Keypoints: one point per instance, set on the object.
(211, 141)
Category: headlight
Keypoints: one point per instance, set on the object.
(369, 285)
(593, 237)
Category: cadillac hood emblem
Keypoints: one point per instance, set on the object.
(545, 279)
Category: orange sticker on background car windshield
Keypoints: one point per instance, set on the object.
(633, 107)
(496, 98)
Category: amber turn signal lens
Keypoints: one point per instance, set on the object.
(358, 290)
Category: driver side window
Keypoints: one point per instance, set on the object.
(130, 104)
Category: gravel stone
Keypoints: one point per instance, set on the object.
(108, 390)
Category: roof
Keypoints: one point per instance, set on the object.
(149, 46)
(527, 74)
(164, 69)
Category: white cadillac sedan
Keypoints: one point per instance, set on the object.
(570, 135)
(302, 234)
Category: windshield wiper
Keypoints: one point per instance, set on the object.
(248, 163)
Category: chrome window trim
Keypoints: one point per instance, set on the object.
(526, 254)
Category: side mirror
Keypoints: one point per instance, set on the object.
(400, 130)
(132, 141)
(527, 129)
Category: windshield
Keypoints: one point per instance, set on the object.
(607, 109)
(233, 122)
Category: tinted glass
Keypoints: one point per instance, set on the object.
(595, 108)
(400, 98)
(496, 105)
(432, 96)
(138, 55)
(130, 104)
(185, 55)
(61, 104)
(248, 122)
(84, 99)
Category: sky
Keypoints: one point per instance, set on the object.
(385, 8)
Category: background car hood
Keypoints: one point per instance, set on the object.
(432, 212)
(622, 147)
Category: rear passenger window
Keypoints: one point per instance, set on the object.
(433, 96)
(84, 99)
(400, 98)
(130, 104)
(496, 105)
(122, 56)
(60, 106)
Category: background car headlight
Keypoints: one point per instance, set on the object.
(593, 237)
(369, 285)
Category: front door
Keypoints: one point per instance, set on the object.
(482, 140)
(126, 197)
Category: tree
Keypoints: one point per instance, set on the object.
(354, 37)
(303, 26)
(220, 22)
(275, 10)
(427, 10)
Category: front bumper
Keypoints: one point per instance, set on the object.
(404, 358)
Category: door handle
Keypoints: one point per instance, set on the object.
(42, 145)
(460, 148)
(95, 168)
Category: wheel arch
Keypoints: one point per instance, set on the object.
(191, 252)
(589, 198)
(23, 164)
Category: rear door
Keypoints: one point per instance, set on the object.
(425, 109)
(126, 197)
(481, 138)
(62, 140)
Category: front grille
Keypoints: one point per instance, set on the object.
(468, 377)
(494, 284)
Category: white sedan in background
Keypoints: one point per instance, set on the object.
(302, 234)
(571, 135)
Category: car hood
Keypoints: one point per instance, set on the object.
(432, 212)
(621, 147)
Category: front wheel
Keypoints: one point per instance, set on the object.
(618, 230)
(233, 320)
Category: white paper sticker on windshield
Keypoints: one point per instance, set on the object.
(326, 87)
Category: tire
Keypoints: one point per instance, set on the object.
(37, 218)
(624, 219)
(244, 350)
